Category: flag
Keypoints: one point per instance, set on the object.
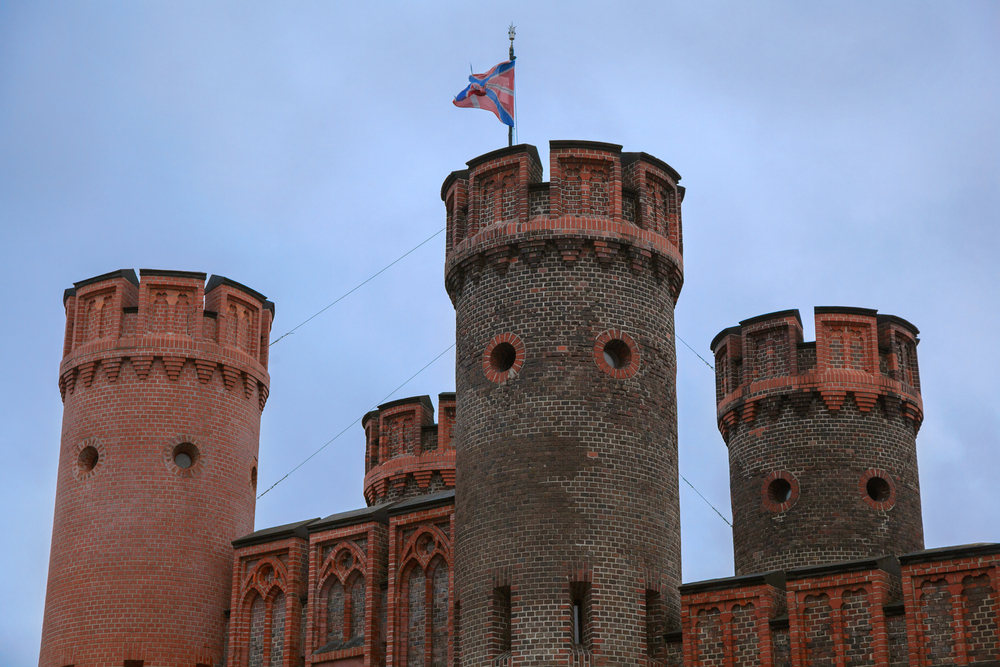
(493, 91)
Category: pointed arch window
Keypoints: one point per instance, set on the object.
(424, 600)
(344, 600)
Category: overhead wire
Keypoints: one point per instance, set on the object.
(358, 286)
(346, 428)
(330, 441)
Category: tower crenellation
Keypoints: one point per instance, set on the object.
(567, 518)
(406, 453)
(163, 382)
(821, 437)
(598, 201)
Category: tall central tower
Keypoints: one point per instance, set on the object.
(567, 519)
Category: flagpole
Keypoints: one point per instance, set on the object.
(510, 35)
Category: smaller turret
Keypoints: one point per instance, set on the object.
(407, 454)
(821, 436)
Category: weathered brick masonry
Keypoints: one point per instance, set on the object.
(566, 493)
(163, 381)
(536, 523)
(821, 436)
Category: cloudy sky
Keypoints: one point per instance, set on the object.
(840, 153)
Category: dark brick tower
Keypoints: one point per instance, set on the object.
(567, 522)
(821, 436)
(163, 383)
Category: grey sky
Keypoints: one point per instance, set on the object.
(840, 153)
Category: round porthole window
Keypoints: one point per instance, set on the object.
(617, 354)
(90, 457)
(877, 489)
(183, 456)
(503, 357)
(780, 491)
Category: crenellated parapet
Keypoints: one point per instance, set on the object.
(406, 453)
(821, 437)
(599, 201)
(173, 317)
(858, 355)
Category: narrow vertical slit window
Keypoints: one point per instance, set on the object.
(580, 613)
(654, 623)
(501, 620)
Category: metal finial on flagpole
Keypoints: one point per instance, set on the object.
(510, 35)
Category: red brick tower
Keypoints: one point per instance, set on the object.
(406, 453)
(163, 383)
(821, 436)
(567, 522)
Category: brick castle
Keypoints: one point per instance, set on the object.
(537, 522)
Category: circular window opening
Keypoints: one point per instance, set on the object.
(878, 489)
(779, 491)
(502, 357)
(185, 455)
(617, 354)
(89, 457)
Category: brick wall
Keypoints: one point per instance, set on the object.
(141, 558)
(407, 454)
(938, 608)
(566, 465)
(821, 437)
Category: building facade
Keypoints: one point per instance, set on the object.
(537, 521)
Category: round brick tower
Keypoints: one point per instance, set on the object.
(821, 436)
(406, 453)
(163, 383)
(567, 520)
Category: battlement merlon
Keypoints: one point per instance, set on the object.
(597, 199)
(857, 352)
(406, 453)
(167, 314)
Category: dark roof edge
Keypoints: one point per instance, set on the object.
(948, 553)
(446, 396)
(775, 578)
(127, 274)
(375, 513)
(451, 178)
(729, 331)
(900, 321)
(503, 152)
(298, 529)
(215, 281)
(778, 314)
(425, 399)
(845, 310)
(885, 563)
(562, 144)
(629, 158)
(192, 275)
(439, 499)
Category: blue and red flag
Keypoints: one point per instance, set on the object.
(493, 91)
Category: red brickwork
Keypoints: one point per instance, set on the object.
(952, 605)
(566, 473)
(727, 622)
(141, 560)
(408, 455)
(421, 587)
(822, 437)
(269, 587)
(940, 608)
(347, 567)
